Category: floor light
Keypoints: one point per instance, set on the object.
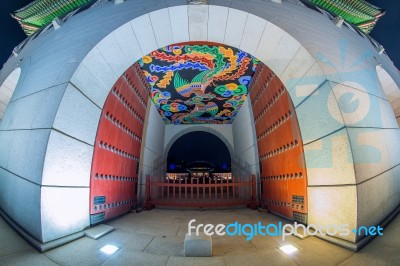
(109, 249)
(288, 249)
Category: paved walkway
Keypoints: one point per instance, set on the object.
(156, 238)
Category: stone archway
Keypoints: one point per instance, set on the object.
(283, 54)
(60, 167)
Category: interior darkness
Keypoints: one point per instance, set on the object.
(198, 146)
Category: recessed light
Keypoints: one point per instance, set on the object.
(109, 249)
(288, 249)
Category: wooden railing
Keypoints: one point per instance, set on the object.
(210, 193)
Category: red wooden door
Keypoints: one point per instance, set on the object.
(114, 175)
(280, 147)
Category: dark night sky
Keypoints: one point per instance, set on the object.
(386, 32)
(11, 32)
(207, 147)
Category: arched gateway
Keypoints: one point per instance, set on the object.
(317, 130)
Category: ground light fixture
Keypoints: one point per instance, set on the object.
(109, 249)
(288, 249)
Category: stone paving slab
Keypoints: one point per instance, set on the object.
(26, 258)
(198, 245)
(98, 231)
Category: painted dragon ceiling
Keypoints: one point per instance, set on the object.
(198, 83)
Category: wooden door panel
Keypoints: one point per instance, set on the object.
(283, 172)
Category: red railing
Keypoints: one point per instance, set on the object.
(210, 193)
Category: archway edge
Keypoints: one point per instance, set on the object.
(391, 90)
(7, 89)
(275, 47)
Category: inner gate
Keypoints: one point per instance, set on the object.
(199, 175)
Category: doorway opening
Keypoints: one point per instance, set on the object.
(199, 175)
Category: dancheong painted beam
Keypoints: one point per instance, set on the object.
(41, 12)
(357, 12)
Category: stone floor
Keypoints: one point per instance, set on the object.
(156, 238)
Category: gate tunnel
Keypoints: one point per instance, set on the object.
(217, 99)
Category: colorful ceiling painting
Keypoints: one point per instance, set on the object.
(198, 83)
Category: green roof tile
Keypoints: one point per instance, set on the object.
(42, 12)
(357, 12)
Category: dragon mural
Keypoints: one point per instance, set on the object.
(199, 83)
